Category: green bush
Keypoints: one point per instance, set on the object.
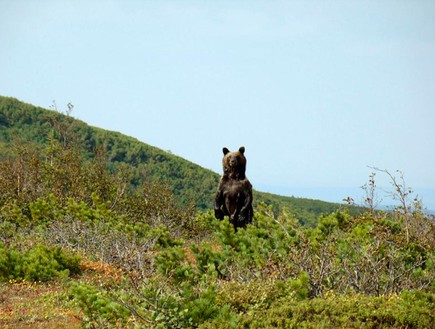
(409, 309)
(40, 263)
(100, 311)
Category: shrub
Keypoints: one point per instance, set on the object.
(410, 309)
(40, 263)
(100, 311)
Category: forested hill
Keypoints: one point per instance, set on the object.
(25, 124)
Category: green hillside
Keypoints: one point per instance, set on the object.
(29, 125)
(98, 230)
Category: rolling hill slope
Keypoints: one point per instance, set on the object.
(26, 124)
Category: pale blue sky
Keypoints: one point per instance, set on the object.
(315, 90)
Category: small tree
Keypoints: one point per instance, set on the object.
(401, 193)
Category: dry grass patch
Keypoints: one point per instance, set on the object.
(34, 305)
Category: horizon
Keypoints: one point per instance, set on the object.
(317, 92)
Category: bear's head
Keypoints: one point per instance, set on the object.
(234, 163)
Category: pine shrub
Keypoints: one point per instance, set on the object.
(40, 263)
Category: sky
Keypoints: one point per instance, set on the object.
(317, 91)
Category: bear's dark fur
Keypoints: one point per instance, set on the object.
(234, 195)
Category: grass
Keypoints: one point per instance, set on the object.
(35, 305)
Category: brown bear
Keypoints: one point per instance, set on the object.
(234, 195)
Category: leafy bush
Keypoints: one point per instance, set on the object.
(410, 309)
(100, 311)
(40, 263)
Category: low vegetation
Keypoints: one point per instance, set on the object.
(85, 245)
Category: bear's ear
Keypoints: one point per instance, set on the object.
(225, 150)
(242, 149)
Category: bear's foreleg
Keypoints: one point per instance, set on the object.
(219, 201)
(246, 211)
